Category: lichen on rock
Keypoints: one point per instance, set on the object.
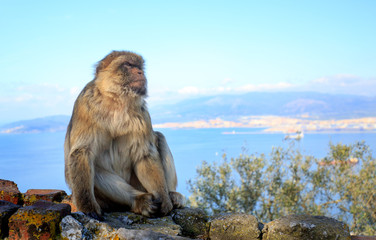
(296, 227)
(237, 226)
(52, 195)
(130, 220)
(193, 221)
(9, 192)
(39, 221)
(119, 225)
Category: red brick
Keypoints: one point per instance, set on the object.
(6, 210)
(9, 192)
(51, 195)
(39, 221)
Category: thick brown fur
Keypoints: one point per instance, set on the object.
(113, 158)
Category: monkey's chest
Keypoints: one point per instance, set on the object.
(129, 123)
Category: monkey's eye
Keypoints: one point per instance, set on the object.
(127, 64)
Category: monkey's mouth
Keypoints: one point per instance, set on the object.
(137, 84)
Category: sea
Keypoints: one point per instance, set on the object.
(36, 160)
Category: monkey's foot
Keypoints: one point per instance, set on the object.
(177, 199)
(92, 210)
(145, 204)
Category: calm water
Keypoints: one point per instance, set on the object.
(37, 161)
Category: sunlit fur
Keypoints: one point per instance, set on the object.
(113, 158)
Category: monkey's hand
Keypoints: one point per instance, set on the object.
(177, 199)
(166, 207)
(145, 204)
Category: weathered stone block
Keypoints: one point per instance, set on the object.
(296, 227)
(6, 210)
(127, 234)
(39, 221)
(363, 237)
(130, 220)
(235, 226)
(119, 225)
(51, 195)
(72, 229)
(92, 228)
(194, 222)
(9, 192)
(68, 200)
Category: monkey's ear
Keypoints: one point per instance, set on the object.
(102, 64)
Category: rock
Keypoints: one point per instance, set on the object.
(117, 224)
(43, 218)
(9, 192)
(72, 229)
(6, 210)
(125, 220)
(194, 222)
(128, 234)
(307, 227)
(88, 228)
(363, 238)
(39, 221)
(51, 195)
(235, 226)
(90, 224)
(68, 200)
(130, 220)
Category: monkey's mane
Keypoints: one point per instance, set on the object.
(102, 64)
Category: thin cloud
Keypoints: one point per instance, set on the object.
(190, 90)
(194, 91)
(22, 98)
(227, 81)
(337, 84)
(343, 84)
(35, 100)
(282, 86)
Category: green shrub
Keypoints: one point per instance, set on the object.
(342, 185)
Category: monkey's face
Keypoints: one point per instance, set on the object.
(133, 77)
(125, 69)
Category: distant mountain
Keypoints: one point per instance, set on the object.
(46, 124)
(292, 104)
(232, 107)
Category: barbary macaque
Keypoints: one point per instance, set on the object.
(114, 160)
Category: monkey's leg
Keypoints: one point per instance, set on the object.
(82, 182)
(169, 170)
(167, 162)
(151, 175)
(118, 190)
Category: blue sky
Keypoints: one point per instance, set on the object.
(192, 48)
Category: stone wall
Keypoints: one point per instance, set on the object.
(50, 214)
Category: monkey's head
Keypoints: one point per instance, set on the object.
(125, 69)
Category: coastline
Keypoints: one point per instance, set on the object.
(285, 125)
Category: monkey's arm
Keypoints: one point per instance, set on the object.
(81, 170)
